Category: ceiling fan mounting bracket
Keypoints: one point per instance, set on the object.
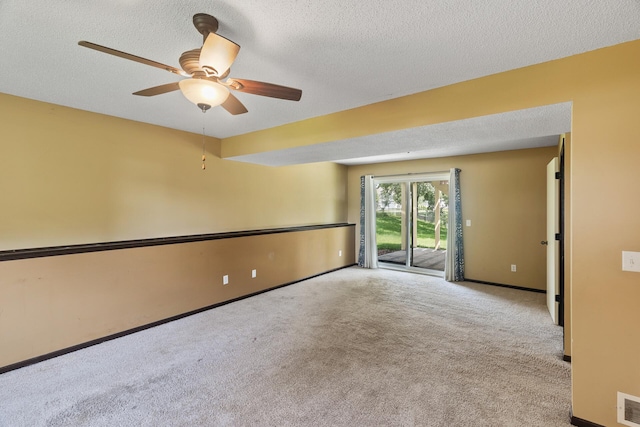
(205, 24)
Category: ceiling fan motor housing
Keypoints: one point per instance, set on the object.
(190, 61)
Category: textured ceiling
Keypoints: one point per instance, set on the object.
(342, 54)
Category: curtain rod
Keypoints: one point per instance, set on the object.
(407, 175)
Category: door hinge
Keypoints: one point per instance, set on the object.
(558, 175)
(558, 298)
(558, 236)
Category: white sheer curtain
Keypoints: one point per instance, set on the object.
(454, 267)
(368, 254)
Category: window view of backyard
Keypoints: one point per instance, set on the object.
(429, 221)
(389, 238)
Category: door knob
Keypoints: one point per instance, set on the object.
(544, 242)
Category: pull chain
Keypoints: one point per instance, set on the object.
(203, 155)
(203, 151)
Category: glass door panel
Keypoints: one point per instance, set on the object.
(391, 222)
(411, 224)
(430, 219)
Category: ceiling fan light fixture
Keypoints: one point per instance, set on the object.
(208, 68)
(205, 92)
(217, 55)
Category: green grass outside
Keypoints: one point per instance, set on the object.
(388, 233)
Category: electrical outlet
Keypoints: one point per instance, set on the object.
(468, 223)
(630, 261)
(225, 279)
(253, 274)
(513, 268)
(339, 253)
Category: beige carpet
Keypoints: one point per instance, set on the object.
(352, 348)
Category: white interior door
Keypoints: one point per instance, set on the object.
(553, 190)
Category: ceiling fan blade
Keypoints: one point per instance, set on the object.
(132, 57)
(158, 90)
(266, 89)
(217, 54)
(233, 105)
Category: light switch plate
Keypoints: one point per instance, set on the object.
(468, 223)
(631, 261)
(225, 279)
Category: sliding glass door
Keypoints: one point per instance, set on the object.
(411, 221)
(392, 223)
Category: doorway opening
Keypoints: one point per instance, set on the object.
(412, 222)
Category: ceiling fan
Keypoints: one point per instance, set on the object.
(207, 68)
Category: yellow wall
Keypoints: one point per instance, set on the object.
(605, 220)
(69, 176)
(504, 196)
(52, 303)
(605, 147)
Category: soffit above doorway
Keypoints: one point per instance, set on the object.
(528, 128)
